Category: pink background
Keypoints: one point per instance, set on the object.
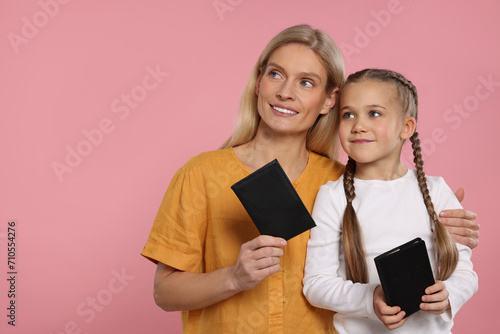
(75, 77)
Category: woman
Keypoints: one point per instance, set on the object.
(211, 262)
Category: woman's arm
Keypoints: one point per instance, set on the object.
(176, 290)
(461, 223)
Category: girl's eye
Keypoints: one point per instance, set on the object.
(374, 113)
(306, 83)
(347, 115)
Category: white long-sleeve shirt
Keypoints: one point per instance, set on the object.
(390, 213)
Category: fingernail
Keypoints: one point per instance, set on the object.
(442, 214)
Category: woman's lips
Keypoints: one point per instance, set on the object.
(283, 109)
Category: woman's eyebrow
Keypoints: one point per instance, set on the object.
(302, 74)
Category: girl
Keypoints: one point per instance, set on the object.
(383, 205)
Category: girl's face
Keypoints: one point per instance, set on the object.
(291, 90)
(372, 128)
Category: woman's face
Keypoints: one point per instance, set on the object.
(291, 90)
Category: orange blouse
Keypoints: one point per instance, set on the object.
(201, 226)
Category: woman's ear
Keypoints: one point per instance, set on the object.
(409, 125)
(330, 102)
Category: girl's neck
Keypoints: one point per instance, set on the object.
(290, 151)
(380, 171)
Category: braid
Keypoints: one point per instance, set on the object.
(408, 84)
(355, 262)
(446, 252)
(350, 170)
(422, 182)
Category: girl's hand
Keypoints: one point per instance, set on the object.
(391, 317)
(435, 300)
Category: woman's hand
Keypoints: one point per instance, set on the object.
(391, 316)
(176, 290)
(461, 223)
(435, 300)
(258, 259)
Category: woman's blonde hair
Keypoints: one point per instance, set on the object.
(322, 137)
(446, 250)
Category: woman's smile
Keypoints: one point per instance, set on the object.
(283, 110)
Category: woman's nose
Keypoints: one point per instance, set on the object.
(285, 91)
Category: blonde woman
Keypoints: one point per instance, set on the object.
(211, 262)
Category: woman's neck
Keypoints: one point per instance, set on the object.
(290, 151)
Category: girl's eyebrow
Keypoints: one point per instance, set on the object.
(369, 106)
(376, 106)
(302, 74)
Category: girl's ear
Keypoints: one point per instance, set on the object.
(330, 102)
(409, 125)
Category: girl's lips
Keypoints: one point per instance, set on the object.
(283, 109)
(361, 141)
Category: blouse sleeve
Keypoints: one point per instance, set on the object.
(178, 232)
(323, 285)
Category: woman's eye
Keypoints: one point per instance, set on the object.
(347, 115)
(374, 113)
(274, 74)
(306, 83)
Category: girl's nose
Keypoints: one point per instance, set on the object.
(359, 126)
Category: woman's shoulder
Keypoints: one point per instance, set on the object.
(329, 168)
(215, 159)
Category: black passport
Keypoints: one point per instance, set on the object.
(273, 203)
(405, 272)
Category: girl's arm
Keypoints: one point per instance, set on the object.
(463, 283)
(447, 297)
(323, 286)
(176, 290)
